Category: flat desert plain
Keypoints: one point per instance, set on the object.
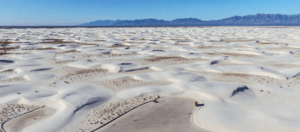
(147, 79)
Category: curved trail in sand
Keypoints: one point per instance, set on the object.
(2, 125)
(168, 114)
(195, 114)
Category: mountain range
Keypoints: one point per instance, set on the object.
(258, 19)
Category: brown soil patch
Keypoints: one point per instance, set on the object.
(151, 35)
(234, 54)
(235, 40)
(55, 41)
(78, 75)
(100, 40)
(210, 47)
(122, 39)
(61, 41)
(124, 81)
(185, 40)
(127, 35)
(270, 42)
(129, 82)
(161, 58)
(46, 48)
(9, 48)
(112, 55)
(135, 42)
(181, 44)
(118, 46)
(87, 44)
(235, 74)
(66, 52)
(285, 65)
(283, 48)
(4, 53)
(85, 71)
(7, 53)
(169, 60)
(6, 42)
(15, 79)
(64, 61)
(7, 71)
(144, 39)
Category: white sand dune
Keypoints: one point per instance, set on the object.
(247, 77)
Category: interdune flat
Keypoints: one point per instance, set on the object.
(25, 120)
(248, 79)
(168, 114)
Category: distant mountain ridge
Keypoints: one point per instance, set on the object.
(102, 23)
(258, 19)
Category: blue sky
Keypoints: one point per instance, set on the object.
(72, 12)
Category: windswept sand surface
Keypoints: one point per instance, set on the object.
(247, 77)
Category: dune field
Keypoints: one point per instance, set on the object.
(148, 78)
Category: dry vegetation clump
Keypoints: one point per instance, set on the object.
(11, 111)
(143, 39)
(5, 42)
(49, 48)
(7, 71)
(129, 82)
(285, 65)
(55, 41)
(269, 42)
(87, 71)
(115, 55)
(4, 53)
(235, 55)
(125, 36)
(236, 74)
(87, 44)
(61, 41)
(66, 52)
(210, 47)
(63, 61)
(136, 42)
(283, 48)
(181, 44)
(106, 113)
(79, 75)
(15, 79)
(247, 78)
(122, 82)
(166, 58)
(235, 40)
(118, 46)
(181, 40)
(15, 53)
(100, 40)
(8, 48)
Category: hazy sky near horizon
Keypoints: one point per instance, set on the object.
(73, 12)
